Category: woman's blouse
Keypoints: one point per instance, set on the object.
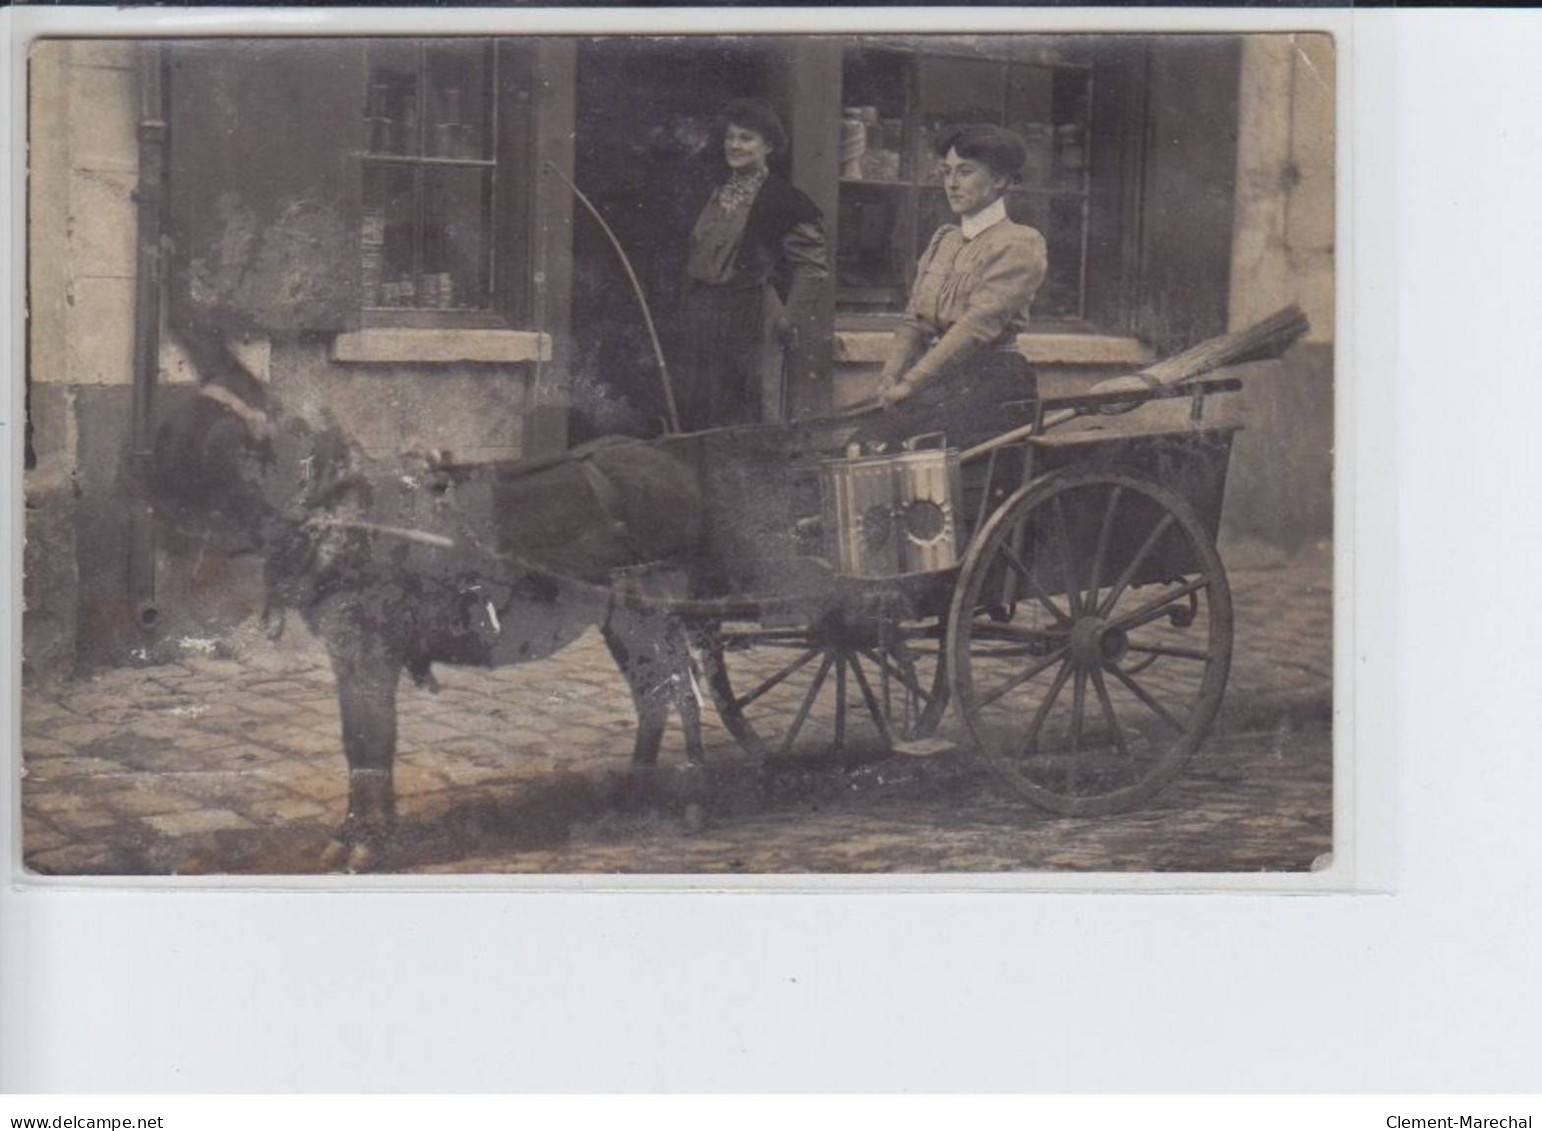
(719, 233)
(972, 291)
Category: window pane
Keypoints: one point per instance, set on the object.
(875, 242)
(956, 92)
(1030, 96)
(459, 101)
(875, 95)
(880, 235)
(1072, 108)
(391, 106)
(1030, 111)
(1059, 220)
(456, 208)
(934, 213)
(387, 235)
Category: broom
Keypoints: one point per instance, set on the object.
(1262, 341)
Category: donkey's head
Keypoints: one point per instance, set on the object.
(234, 472)
(215, 474)
(208, 479)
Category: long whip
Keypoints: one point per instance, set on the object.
(653, 334)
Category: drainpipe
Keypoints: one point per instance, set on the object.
(148, 195)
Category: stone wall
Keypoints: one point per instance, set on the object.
(83, 164)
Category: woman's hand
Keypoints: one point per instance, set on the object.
(895, 392)
(786, 331)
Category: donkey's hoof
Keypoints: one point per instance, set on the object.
(695, 817)
(352, 856)
(637, 793)
(365, 856)
(334, 858)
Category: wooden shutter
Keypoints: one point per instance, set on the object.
(264, 184)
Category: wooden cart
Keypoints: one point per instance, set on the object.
(1082, 633)
(1058, 587)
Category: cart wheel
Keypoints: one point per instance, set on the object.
(836, 688)
(1090, 639)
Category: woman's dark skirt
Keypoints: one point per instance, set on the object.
(723, 333)
(986, 396)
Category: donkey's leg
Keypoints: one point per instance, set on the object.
(629, 648)
(698, 786)
(367, 678)
(685, 682)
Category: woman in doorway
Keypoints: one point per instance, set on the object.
(756, 264)
(953, 363)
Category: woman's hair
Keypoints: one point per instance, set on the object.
(751, 114)
(996, 146)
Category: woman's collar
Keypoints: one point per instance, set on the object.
(989, 216)
(755, 176)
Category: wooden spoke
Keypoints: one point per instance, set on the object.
(1136, 554)
(808, 704)
(1101, 687)
(906, 679)
(1095, 582)
(1151, 610)
(1136, 562)
(1145, 697)
(873, 707)
(1031, 742)
(1177, 653)
(1021, 677)
(886, 691)
(1078, 706)
(745, 700)
(840, 706)
(1073, 593)
(907, 665)
(1033, 583)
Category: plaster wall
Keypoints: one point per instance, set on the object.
(1282, 253)
(474, 411)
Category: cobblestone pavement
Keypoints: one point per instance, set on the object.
(216, 764)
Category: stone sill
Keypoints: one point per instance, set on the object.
(871, 347)
(441, 347)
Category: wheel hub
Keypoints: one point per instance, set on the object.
(1096, 643)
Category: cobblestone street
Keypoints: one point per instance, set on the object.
(216, 764)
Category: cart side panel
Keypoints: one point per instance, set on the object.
(1192, 464)
(755, 484)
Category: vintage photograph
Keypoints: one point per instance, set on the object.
(798, 454)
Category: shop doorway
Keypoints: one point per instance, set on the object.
(647, 155)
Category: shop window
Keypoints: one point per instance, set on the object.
(430, 173)
(895, 104)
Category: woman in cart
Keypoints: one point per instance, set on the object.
(756, 263)
(954, 363)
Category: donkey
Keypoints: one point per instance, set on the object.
(243, 476)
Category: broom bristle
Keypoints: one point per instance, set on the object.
(1261, 341)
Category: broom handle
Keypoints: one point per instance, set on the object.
(1217, 353)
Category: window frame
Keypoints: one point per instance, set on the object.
(1110, 192)
(509, 239)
